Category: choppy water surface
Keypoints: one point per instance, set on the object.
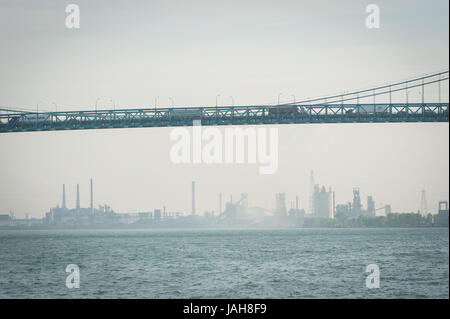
(294, 263)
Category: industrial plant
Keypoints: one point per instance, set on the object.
(233, 213)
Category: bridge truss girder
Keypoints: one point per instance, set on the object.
(224, 115)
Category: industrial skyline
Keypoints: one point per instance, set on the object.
(324, 212)
(321, 202)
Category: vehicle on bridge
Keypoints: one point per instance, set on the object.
(371, 109)
(284, 111)
(185, 114)
(28, 118)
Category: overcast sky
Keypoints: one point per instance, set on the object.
(129, 53)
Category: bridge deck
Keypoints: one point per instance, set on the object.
(224, 115)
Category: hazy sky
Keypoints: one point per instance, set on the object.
(132, 52)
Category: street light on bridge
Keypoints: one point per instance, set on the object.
(96, 102)
(423, 92)
(173, 102)
(439, 89)
(37, 106)
(232, 100)
(390, 95)
(406, 92)
(279, 95)
(217, 96)
(37, 111)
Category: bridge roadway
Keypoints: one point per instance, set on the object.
(224, 115)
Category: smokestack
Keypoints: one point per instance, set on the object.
(334, 204)
(92, 196)
(78, 196)
(296, 202)
(311, 193)
(193, 198)
(64, 196)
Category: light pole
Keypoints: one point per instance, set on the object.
(279, 95)
(96, 101)
(390, 95)
(37, 111)
(37, 108)
(217, 96)
(114, 103)
(232, 100)
(439, 82)
(56, 106)
(406, 92)
(293, 98)
(173, 102)
(423, 93)
(156, 101)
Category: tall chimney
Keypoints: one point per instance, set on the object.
(78, 196)
(92, 196)
(193, 198)
(296, 202)
(64, 196)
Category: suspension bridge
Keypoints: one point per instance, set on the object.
(339, 108)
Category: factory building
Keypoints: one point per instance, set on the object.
(356, 206)
(280, 204)
(236, 210)
(344, 209)
(442, 216)
(323, 202)
(101, 216)
(78, 215)
(296, 215)
(370, 207)
(5, 220)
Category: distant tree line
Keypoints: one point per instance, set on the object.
(390, 220)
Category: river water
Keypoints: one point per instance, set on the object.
(280, 263)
